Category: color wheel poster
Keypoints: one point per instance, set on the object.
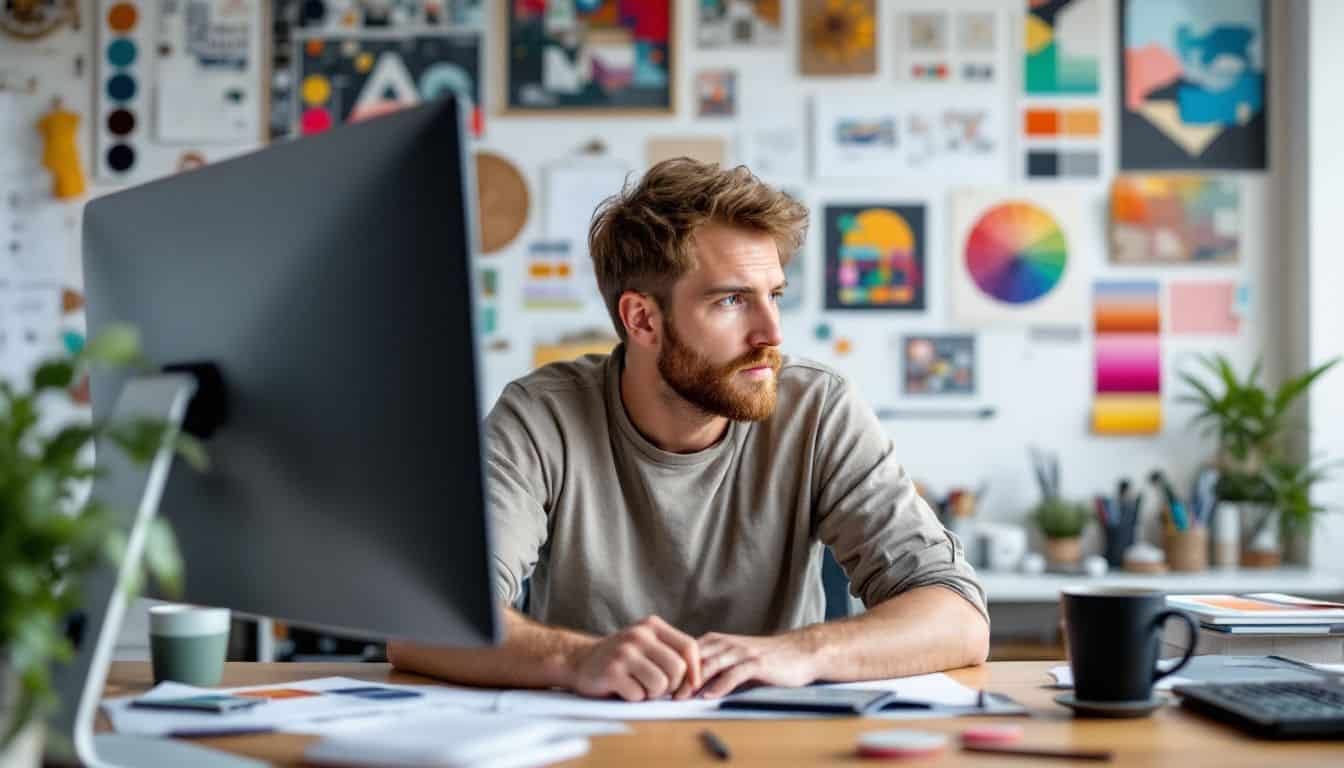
(1017, 258)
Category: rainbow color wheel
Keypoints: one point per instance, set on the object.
(1016, 253)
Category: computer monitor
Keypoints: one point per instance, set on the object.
(318, 295)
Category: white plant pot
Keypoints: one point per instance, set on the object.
(25, 751)
(1260, 540)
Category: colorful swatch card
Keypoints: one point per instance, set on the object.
(1128, 357)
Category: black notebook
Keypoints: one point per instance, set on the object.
(834, 701)
(830, 700)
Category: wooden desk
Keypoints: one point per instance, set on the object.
(1169, 738)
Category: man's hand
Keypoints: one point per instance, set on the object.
(728, 661)
(639, 663)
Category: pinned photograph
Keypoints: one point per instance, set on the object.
(939, 365)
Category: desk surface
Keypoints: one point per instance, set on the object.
(1170, 738)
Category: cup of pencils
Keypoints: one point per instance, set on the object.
(1185, 532)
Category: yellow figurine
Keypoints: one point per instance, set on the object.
(60, 155)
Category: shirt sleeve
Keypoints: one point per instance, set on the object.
(885, 537)
(517, 490)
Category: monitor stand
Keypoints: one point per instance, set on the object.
(132, 493)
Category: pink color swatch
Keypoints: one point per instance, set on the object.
(1128, 362)
(1204, 307)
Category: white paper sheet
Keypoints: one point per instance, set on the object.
(936, 689)
(335, 714)
(207, 72)
(288, 714)
(573, 190)
(921, 135)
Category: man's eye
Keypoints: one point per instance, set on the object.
(729, 301)
(776, 296)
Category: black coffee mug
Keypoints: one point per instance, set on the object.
(1114, 635)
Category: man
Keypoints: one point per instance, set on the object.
(669, 502)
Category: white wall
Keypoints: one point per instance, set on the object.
(1323, 179)
(1041, 389)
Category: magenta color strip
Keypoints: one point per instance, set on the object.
(1129, 362)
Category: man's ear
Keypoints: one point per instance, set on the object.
(642, 318)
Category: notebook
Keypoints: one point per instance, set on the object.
(1259, 608)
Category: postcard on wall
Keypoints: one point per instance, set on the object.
(1192, 87)
(716, 93)
(573, 189)
(1063, 40)
(795, 272)
(706, 149)
(946, 44)
(837, 37)
(605, 55)
(933, 136)
(772, 136)
(875, 257)
(939, 365)
(207, 72)
(1204, 307)
(555, 279)
(738, 23)
(1175, 220)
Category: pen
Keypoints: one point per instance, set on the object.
(715, 745)
(1101, 755)
(210, 733)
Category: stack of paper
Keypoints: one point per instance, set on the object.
(1266, 609)
(1262, 623)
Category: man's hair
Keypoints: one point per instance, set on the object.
(640, 239)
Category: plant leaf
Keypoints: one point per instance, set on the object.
(53, 374)
(1291, 389)
(162, 557)
(115, 345)
(193, 451)
(65, 445)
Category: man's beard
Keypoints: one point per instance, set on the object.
(719, 390)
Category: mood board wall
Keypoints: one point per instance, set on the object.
(989, 137)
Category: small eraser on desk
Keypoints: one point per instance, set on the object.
(992, 734)
(901, 743)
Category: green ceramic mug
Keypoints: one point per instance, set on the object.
(187, 643)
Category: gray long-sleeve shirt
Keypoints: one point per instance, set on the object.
(728, 539)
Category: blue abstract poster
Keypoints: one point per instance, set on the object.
(1192, 84)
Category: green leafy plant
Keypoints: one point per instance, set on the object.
(1246, 417)
(1060, 519)
(49, 537)
(1289, 484)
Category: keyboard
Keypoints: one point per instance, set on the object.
(1272, 710)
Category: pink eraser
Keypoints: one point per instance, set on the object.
(992, 734)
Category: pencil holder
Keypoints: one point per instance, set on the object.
(1187, 550)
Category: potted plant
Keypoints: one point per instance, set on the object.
(1248, 421)
(1289, 484)
(50, 538)
(1062, 522)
